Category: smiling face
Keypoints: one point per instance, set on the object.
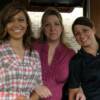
(84, 35)
(52, 28)
(17, 26)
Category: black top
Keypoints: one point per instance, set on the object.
(85, 72)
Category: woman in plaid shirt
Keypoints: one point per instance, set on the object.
(20, 68)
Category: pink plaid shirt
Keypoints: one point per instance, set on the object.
(18, 77)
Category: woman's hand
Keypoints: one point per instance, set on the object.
(43, 91)
(76, 94)
(80, 96)
(34, 96)
(21, 98)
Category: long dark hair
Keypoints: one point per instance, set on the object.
(6, 14)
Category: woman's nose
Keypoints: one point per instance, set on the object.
(52, 28)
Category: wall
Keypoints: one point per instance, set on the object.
(95, 14)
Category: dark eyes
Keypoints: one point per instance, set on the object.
(21, 19)
(85, 30)
(48, 24)
(57, 23)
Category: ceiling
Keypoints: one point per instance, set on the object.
(41, 5)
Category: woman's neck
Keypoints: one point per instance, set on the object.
(53, 44)
(16, 44)
(92, 49)
(51, 51)
(18, 48)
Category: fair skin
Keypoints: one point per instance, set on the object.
(52, 29)
(85, 36)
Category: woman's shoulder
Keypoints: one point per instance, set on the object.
(77, 58)
(2, 49)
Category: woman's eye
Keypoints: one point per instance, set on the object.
(57, 24)
(85, 30)
(46, 25)
(21, 19)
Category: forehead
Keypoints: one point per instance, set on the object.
(78, 26)
(52, 18)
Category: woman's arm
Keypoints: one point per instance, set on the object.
(40, 92)
(43, 91)
(34, 96)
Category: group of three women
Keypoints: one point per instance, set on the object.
(31, 69)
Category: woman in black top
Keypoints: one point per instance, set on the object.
(85, 65)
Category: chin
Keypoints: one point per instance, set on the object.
(85, 46)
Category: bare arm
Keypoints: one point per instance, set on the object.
(35, 96)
